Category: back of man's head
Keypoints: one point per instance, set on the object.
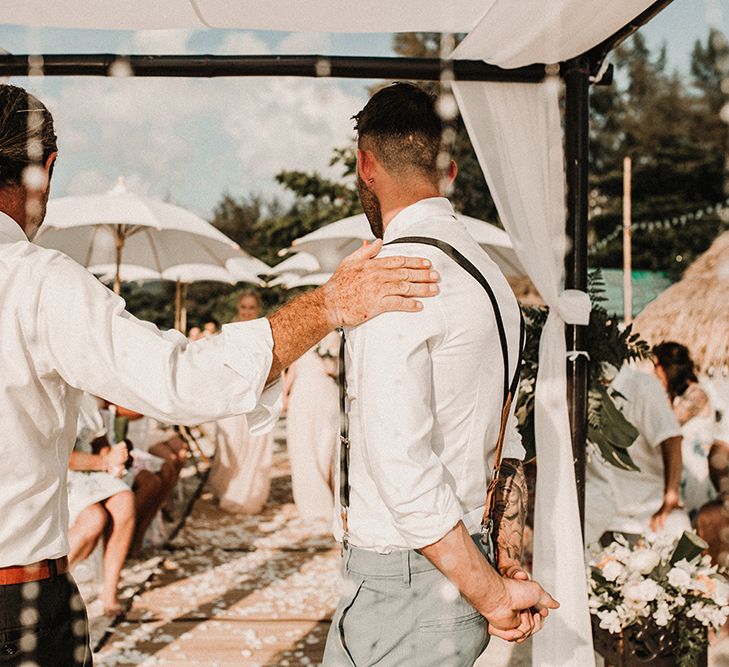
(401, 126)
(27, 137)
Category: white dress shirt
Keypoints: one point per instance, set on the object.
(62, 333)
(624, 500)
(425, 394)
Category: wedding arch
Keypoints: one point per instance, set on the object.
(507, 77)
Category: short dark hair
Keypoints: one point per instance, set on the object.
(27, 136)
(401, 126)
(676, 361)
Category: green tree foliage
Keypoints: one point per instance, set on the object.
(671, 129)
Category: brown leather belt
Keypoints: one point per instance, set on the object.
(23, 574)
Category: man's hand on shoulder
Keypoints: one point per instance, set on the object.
(364, 286)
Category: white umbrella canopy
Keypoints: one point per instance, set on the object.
(123, 227)
(332, 243)
(290, 280)
(183, 275)
(299, 264)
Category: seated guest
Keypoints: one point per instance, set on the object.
(98, 499)
(647, 499)
(154, 472)
(195, 333)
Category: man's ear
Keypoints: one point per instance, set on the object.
(452, 171)
(50, 161)
(365, 164)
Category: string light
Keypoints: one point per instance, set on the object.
(666, 223)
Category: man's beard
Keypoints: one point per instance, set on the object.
(371, 206)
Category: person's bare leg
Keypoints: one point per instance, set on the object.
(85, 532)
(168, 474)
(175, 452)
(147, 489)
(121, 509)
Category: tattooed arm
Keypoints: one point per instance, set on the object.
(510, 503)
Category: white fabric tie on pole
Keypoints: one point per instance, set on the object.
(516, 131)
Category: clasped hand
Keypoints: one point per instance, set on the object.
(522, 608)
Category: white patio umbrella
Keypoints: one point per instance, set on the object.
(123, 227)
(183, 275)
(290, 280)
(333, 242)
(298, 264)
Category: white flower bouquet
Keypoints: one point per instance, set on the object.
(659, 587)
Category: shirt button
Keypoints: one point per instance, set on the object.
(9, 649)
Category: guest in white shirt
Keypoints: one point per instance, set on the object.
(64, 333)
(647, 499)
(425, 402)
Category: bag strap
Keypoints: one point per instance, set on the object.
(509, 392)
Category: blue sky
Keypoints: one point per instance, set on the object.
(191, 140)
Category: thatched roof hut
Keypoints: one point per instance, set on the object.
(695, 311)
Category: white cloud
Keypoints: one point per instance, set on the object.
(243, 44)
(88, 182)
(192, 139)
(289, 124)
(174, 42)
(305, 42)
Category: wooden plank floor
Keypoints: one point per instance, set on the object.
(234, 590)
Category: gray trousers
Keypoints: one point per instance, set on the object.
(399, 610)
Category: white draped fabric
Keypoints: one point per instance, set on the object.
(293, 15)
(520, 150)
(517, 134)
(512, 40)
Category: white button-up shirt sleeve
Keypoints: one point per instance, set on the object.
(85, 335)
(394, 383)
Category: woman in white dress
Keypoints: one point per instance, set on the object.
(241, 474)
(312, 427)
(97, 498)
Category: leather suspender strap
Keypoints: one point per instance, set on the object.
(343, 441)
(510, 388)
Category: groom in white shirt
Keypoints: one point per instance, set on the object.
(425, 397)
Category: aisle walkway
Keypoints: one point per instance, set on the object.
(242, 591)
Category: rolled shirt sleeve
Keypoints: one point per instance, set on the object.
(395, 386)
(86, 336)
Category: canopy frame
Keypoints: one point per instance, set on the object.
(578, 73)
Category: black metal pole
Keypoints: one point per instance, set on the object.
(577, 109)
(416, 69)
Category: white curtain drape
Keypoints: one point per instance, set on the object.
(517, 135)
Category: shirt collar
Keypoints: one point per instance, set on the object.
(420, 210)
(10, 231)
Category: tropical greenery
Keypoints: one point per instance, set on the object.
(608, 346)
